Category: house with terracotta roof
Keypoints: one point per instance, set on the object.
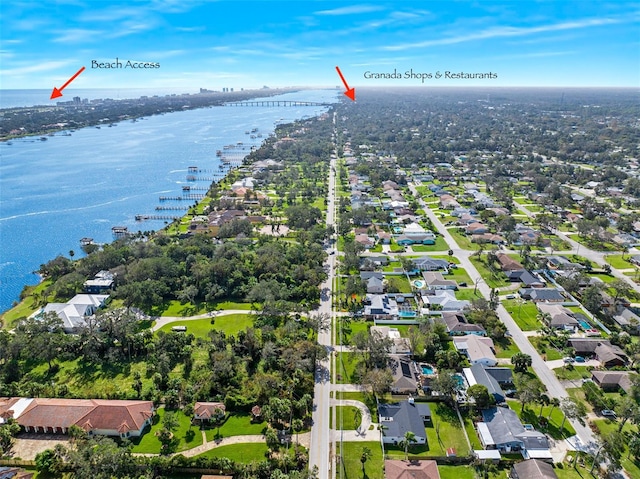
(96, 416)
(413, 469)
(507, 263)
(206, 411)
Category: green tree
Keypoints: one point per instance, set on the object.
(8, 431)
(480, 394)
(570, 410)
(521, 362)
(408, 439)
(529, 388)
(364, 457)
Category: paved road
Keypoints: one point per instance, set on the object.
(597, 257)
(320, 446)
(547, 376)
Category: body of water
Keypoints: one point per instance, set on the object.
(55, 192)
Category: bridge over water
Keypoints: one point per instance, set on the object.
(276, 103)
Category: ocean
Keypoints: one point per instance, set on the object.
(55, 192)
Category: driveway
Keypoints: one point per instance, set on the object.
(28, 445)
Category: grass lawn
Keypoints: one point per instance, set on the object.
(578, 395)
(505, 348)
(222, 305)
(230, 324)
(150, 444)
(456, 472)
(493, 280)
(458, 274)
(398, 283)
(346, 365)
(350, 466)
(471, 432)
(368, 400)
(605, 278)
(525, 314)
(176, 308)
(631, 466)
(244, 452)
(25, 307)
(530, 416)
(616, 261)
(573, 373)
(445, 431)
(463, 241)
(391, 266)
(546, 350)
(103, 381)
(236, 425)
(440, 245)
(352, 328)
(347, 417)
(468, 294)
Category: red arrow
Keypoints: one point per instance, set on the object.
(351, 92)
(57, 93)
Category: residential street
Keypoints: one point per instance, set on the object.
(555, 389)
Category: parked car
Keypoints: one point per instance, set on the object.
(462, 285)
(510, 296)
(569, 360)
(580, 359)
(608, 413)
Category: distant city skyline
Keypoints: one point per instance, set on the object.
(249, 44)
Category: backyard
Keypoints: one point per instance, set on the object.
(351, 467)
(524, 313)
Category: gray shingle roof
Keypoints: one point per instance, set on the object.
(398, 418)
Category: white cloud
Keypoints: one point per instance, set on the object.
(77, 35)
(507, 31)
(351, 10)
(40, 67)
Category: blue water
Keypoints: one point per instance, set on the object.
(407, 314)
(55, 192)
(427, 370)
(584, 324)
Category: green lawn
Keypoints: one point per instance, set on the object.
(440, 245)
(443, 432)
(573, 372)
(463, 241)
(352, 328)
(236, 425)
(493, 279)
(523, 313)
(398, 283)
(505, 348)
(616, 261)
(230, 324)
(176, 308)
(456, 472)
(546, 349)
(605, 278)
(150, 444)
(108, 380)
(471, 432)
(222, 305)
(458, 274)
(244, 452)
(24, 308)
(605, 426)
(530, 416)
(468, 294)
(350, 466)
(347, 417)
(346, 364)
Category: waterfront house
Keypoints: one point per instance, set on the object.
(74, 312)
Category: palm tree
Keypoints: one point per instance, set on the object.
(544, 401)
(366, 455)
(554, 402)
(409, 437)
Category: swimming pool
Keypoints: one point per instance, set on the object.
(418, 284)
(427, 369)
(407, 314)
(584, 324)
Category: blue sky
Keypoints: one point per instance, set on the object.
(280, 43)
